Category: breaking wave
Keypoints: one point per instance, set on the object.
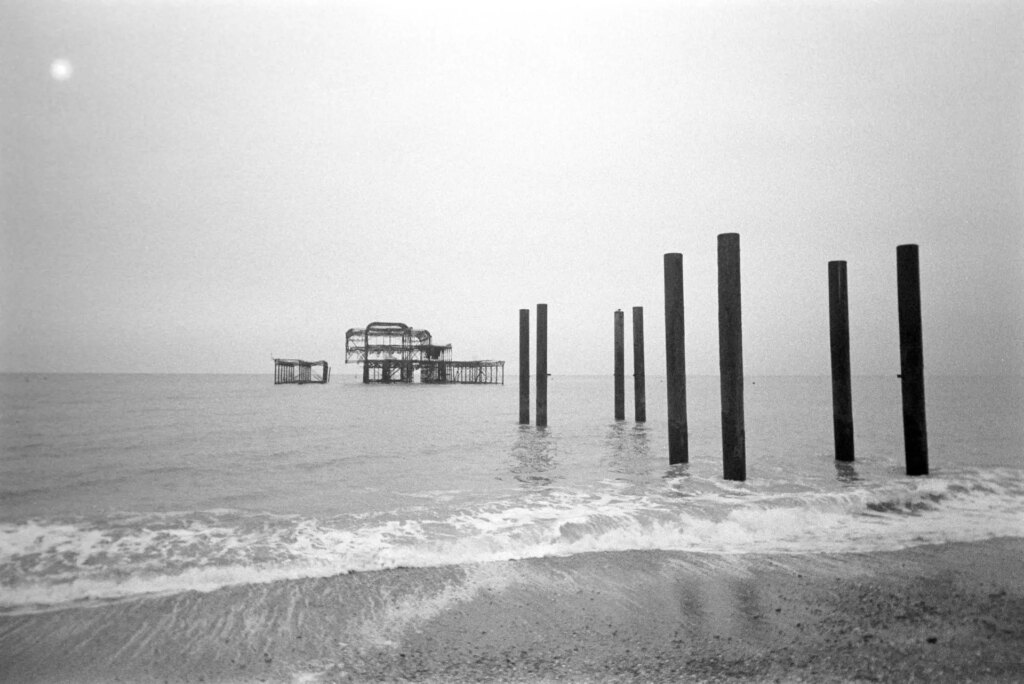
(46, 564)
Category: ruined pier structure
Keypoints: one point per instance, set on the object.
(299, 372)
(395, 352)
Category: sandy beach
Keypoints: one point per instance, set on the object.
(951, 612)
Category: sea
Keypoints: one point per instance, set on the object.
(116, 487)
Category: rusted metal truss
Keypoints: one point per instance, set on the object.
(380, 341)
(299, 372)
(394, 352)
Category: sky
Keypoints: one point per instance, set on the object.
(193, 186)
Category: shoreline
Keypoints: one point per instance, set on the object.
(950, 612)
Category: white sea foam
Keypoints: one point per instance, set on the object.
(53, 563)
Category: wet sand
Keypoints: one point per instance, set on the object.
(933, 613)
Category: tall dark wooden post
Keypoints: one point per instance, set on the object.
(839, 336)
(620, 367)
(915, 433)
(730, 357)
(542, 365)
(675, 360)
(524, 366)
(639, 381)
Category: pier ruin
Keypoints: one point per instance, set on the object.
(299, 372)
(396, 352)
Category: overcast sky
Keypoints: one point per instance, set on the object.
(196, 186)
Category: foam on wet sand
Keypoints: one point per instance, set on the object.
(950, 612)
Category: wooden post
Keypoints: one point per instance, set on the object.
(620, 381)
(542, 365)
(524, 366)
(730, 357)
(915, 433)
(839, 336)
(675, 360)
(639, 381)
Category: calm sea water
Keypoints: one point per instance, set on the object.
(115, 486)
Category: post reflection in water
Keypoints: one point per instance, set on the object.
(845, 472)
(628, 450)
(677, 471)
(533, 455)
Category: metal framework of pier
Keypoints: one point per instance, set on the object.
(394, 352)
(299, 372)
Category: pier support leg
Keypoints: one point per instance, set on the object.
(524, 366)
(639, 380)
(839, 336)
(730, 357)
(542, 365)
(675, 360)
(915, 434)
(620, 380)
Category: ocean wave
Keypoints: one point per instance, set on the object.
(52, 563)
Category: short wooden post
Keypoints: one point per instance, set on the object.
(620, 381)
(542, 365)
(915, 434)
(675, 360)
(839, 336)
(524, 366)
(639, 381)
(730, 357)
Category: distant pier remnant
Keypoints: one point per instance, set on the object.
(915, 434)
(620, 381)
(675, 360)
(730, 357)
(639, 381)
(839, 335)
(299, 372)
(542, 365)
(394, 352)
(524, 366)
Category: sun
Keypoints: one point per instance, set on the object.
(61, 70)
